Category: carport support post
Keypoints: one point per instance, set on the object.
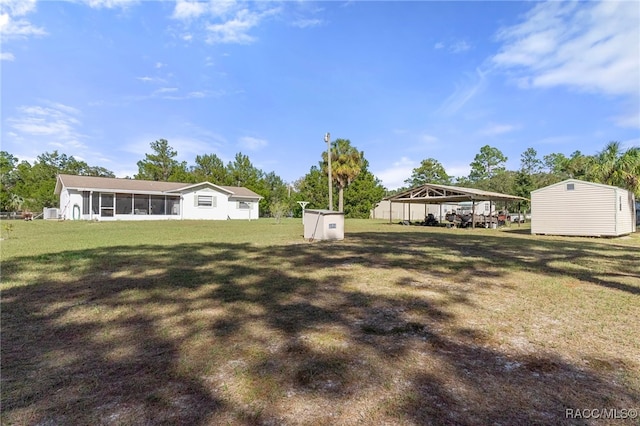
(390, 211)
(473, 214)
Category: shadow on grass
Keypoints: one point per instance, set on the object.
(233, 333)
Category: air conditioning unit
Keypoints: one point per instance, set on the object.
(51, 213)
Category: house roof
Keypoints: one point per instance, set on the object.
(106, 184)
(435, 194)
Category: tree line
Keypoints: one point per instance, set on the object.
(611, 166)
(26, 186)
(31, 186)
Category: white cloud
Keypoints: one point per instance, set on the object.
(166, 90)
(186, 10)
(160, 65)
(12, 28)
(457, 170)
(17, 7)
(224, 22)
(497, 129)
(147, 79)
(252, 144)
(455, 47)
(307, 23)
(394, 177)
(631, 119)
(53, 124)
(428, 138)
(7, 56)
(464, 93)
(234, 30)
(460, 46)
(110, 4)
(590, 46)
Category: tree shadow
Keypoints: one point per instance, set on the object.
(235, 333)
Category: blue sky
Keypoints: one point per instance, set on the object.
(404, 81)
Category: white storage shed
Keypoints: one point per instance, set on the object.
(323, 225)
(579, 208)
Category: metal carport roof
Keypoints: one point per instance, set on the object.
(436, 194)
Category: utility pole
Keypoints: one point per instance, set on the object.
(327, 139)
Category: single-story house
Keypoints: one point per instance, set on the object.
(579, 208)
(91, 198)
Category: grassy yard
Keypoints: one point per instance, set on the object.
(207, 323)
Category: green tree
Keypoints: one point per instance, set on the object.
(363, 194)
(611, 166)
(530, 170)
(7, 179)
(577, 166)
(313, 188)
(35, 184)
(429, 171)
(159, 165)
(346, 163)
(209, 167)
(275, 193)
(530, 163)
(487, 164)
(241, 172)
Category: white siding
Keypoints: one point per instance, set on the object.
(223, 206)
(191, 210)
(626, 222)
(587, 210)
(241, 208)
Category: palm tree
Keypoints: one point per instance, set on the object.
(16, 202)
(346, 163)
(617, 168)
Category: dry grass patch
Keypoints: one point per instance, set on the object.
(245, 323)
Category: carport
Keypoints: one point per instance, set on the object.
(439, 194)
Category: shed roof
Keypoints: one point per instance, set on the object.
(578, 181)
(432, 193)
(106, 184)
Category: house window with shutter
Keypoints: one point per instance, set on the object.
(205, 201)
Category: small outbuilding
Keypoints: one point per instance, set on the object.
(323, 225)
(579, 208)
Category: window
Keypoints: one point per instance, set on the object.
(123, 203)
(141, 204)
(570, 187)
(244, 205)
(157, 204)
(173, 205)
(205, 201)
(106, 206)
(85, 202)
(95, 203)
